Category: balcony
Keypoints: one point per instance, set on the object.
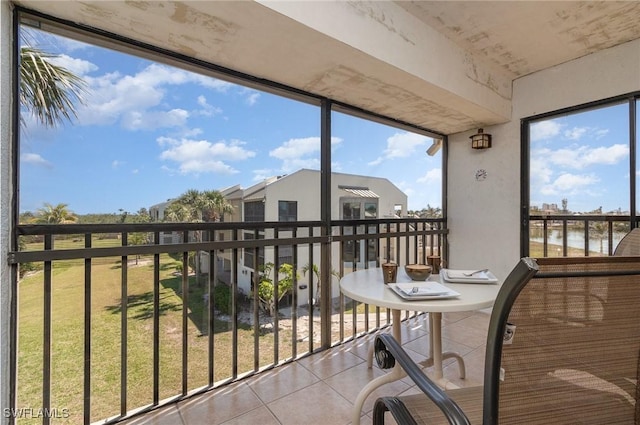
(115, 326)
(181, 372)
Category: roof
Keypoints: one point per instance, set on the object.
(360, 192)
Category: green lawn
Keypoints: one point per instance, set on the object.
(68, 338)
(68, 335)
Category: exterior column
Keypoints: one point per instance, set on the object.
(7, 272)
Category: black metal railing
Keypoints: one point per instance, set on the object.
(567, 235)
(117, 319)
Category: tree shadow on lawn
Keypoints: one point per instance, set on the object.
(143, 261)
(142, 306)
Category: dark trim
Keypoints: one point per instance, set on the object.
(525, 159)
(445, 199)
(386, 343)
(511, 288)
(633, 149)
(397, 409)
(325, 228)
(382, 119)
(525, 182)
(585, 106)
(14, 217)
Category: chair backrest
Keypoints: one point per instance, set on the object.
(630, 244)
(570, 355)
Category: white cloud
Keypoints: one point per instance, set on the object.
(585, 156)
(157, 119)
(432, 176)
(301, 153)
(540, 171)
(79, 67)
(295, 148)
(575, 133)
(567, 184)
(207, 109)
(260, 175)
(401, 145)
(116, 164)
(544, 130)
(252, 99)
(35, 159)
(128, 99)
(201, 156)
(608, 155)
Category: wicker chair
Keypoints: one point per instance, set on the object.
(570, 354)
(630, 244)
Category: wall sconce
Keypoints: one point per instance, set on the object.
(480, 140)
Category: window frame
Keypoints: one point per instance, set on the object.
(633, 102)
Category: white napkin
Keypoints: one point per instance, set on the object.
(460, 274)
(424, 288)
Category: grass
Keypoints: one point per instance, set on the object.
(67, 349)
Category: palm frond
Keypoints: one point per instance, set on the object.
(49, 91)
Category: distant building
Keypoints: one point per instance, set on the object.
(296, 197)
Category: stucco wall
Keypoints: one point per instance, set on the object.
(484, 215)
(5, 202)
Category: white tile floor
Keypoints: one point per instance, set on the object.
(322, 388)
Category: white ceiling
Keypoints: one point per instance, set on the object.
(522, 37)
(506, 39)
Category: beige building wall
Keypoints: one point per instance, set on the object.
(484, 216)
(303, 186)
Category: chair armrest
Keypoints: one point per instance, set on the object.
(386, 346)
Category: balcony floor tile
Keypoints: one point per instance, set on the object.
(321, 388)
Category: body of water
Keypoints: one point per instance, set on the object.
(575, 239)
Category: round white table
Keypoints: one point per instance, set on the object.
(367, 286)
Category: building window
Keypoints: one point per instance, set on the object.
(351, 210)
(287, 210)
(370, 210)
(254, 211)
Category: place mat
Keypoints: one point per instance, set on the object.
(426, 291)
(458, 276)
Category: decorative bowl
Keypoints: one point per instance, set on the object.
(418, 271)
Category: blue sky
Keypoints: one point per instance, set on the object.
(149, 132)
(584, 158)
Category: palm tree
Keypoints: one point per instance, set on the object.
(47, 90)
(55, 214)
(316, 272)
(215, 206)
(196, 206)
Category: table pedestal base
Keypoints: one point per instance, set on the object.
(436, 356)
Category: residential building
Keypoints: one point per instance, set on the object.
(296, 197)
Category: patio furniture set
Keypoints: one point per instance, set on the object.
(563, 346)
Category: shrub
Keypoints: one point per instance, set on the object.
(222, 298)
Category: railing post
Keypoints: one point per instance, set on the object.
(325, 228)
